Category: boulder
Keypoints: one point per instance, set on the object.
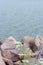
(2, 62)
(28, 42)
(11, 39)
(9, 51)
(25, 41)
(37, 41)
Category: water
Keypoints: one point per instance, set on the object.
(19, 18)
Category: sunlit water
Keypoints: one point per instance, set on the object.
(19, 18)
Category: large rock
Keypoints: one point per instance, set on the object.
(10, 55)
(29, 42)
(1, 41)
(38, 40)
(2, 62)
(11, 39)
(25, 41)
(9, 51)
(39, 43)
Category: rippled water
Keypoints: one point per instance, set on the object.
(21, 18)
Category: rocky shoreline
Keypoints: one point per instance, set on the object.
(13, 52)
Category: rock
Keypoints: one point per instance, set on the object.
(8, 45)
(2, 62)
(39, 53)
(1, 41)
(25, 41)
(9, 51)
(7, 61)
(37, 41)
(11, 56)
(32, 46)
(11, 39)
(29, 42)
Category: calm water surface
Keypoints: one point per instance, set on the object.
(21, 18)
